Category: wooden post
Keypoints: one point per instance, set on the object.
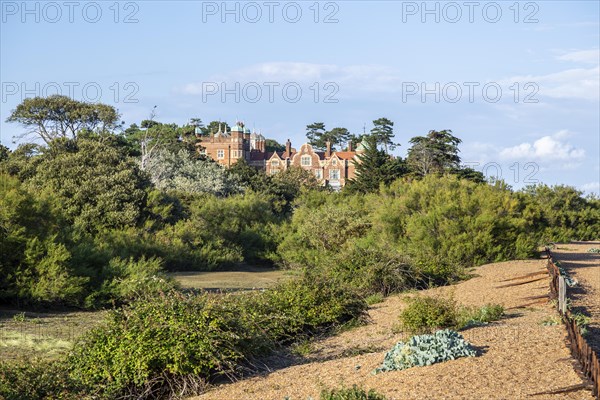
(562, 295)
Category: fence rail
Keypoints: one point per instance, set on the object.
(580, 348)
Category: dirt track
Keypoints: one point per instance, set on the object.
(520, 356)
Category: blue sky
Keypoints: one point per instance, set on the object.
(518, 82)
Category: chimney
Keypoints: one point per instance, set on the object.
(288, 148)
(328, 151)
(350, 145)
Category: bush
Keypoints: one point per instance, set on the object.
(424, 350)
(353, 393)
(469, 316)
(155, 343)
(426, 314)
(32, 379)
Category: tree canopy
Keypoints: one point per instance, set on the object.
(59, 116)
(318, 136)
(383, 132)
(435, 153)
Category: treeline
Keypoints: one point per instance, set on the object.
(97, 214)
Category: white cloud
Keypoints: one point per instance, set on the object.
(591, 187)
(582, 56)
(368, 77)
(545, 148)
(577, 83)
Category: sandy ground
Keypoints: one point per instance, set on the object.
(519, 357)
(585, 267)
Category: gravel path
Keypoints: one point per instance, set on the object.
(520, 356)
(585, 267)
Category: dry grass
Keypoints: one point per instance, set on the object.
(47, 335)
(242, 279)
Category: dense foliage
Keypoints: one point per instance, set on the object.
(96, 217)
(154, 343)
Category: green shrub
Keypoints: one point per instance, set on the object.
(427, 314)
(375, 298)
(155, 342)
(353, 393)
(424, 350)
(32, 379)
(127, 279)
(469, 316)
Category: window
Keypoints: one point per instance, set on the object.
(334, 174)
(334, 161)
(274, 163)
(274, 171)
(220, 154)
(319, 174)
(306, 161)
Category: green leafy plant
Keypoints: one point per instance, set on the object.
(425, 314)
(353, 393)
(550, 321)
(582, 321)
(594, 250)
(473, 316)
(374, 298)
(424, 350)
(156, 342)
(20, 317)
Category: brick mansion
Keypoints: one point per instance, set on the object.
(331, 168)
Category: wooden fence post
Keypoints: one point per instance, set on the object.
(562, 294)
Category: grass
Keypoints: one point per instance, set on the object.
(49, 334)
(244, 278)
(302, 348)
(44, 335)
(359, 350)
(374, 299)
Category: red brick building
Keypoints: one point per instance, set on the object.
(332, 168)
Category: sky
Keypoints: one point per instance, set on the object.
(517, 82)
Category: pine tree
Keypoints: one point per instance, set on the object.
(375, 167)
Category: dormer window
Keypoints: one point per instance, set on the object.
(306, 161)
(275, 163)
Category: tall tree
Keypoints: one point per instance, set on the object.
(383, 132)
(318, 136)
(213, 127)
(98, 185)
(315, 133)
(338, 137)
(374, 167)
(273, 145)
(59, 116)
(435, 153)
